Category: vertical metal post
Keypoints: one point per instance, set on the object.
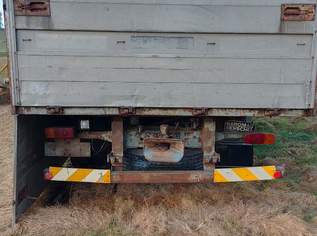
(208, 139)
(117, 141)
(12, 47)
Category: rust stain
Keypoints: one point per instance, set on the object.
(127, 111)
(55, 110)
(32, 7)
(233, 112)
(275, 112)
(298, 12)
(161, 177)
(199, 112)
(117, 139)
(208, 139)
(206, 136)
(106, 136)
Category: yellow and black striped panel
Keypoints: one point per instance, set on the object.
(244, 174)
(80, 175)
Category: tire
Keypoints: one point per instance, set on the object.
(134, 160)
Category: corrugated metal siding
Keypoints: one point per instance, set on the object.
(235, 16)
(217, 54)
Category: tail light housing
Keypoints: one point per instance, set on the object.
(47, 174)
(59, 133)
(278, 174)
(259, 138)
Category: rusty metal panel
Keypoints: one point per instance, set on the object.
(208, 140)
(100, 135)
(161, 177)
(134, 137)
(215, 112)
(67, 148)
(32, 7)
(117, 140)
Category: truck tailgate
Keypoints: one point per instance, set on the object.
(165, 54)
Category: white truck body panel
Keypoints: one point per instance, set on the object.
(164, 54)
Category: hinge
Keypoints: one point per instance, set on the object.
(55, 110)
(127, 111)
(309, 94)
(298, 12)
(32, 7)
(200, 111)
(17, 91)
(309, 88)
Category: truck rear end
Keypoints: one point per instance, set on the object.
(135, 91)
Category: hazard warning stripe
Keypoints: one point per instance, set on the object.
(79, 175)
(244, 174)
(220, 175)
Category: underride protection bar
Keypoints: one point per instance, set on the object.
(221, 175)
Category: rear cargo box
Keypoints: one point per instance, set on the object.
(162, 54)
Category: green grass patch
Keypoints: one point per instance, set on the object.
(296, 147)
(296, 140)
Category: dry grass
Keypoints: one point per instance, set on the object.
(6, 150)
(244, 209)
(271, 208)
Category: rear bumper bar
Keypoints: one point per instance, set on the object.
(162, 177)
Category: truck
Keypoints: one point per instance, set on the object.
(153, 91)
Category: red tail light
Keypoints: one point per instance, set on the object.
(59, 133)
(259, 138)
(278, 174)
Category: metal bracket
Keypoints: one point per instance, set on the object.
(55, 110)
(100, 135)
(32, 7)
(127, 111)
(200, 111)
(208, 139)
(298, 12)
(117, 140)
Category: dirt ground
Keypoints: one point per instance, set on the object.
(266, 208)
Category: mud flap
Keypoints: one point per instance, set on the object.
(29, 163)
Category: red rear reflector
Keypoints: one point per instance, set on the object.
(278, 174)
(59, 133)
(259, 138)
